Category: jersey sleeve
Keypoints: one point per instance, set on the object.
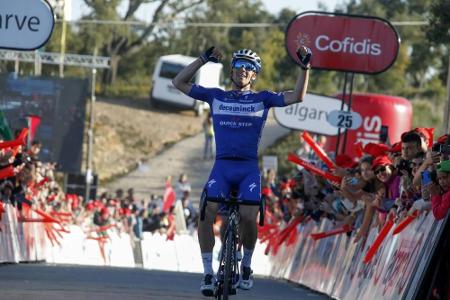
(272, 99)
(203, 94)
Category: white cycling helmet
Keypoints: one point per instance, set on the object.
(249, 55)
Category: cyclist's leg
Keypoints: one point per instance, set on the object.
(205, 227)
(250, 191)
(206, 241)
(214, 188)
(248, 231)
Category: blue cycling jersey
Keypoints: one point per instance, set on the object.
(238, 119)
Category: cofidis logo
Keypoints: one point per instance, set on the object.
(25, 24)
(344, 42)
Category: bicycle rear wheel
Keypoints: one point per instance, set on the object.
(228, 266)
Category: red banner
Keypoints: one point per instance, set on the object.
(359, 44)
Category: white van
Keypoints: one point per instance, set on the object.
(167, 67)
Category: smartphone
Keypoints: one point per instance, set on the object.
(352, 181)
(384, 133)
(426, 177)
(444, 149)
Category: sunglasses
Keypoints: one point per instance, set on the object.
(380, 170)
(248, 66)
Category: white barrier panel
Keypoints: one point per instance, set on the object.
(10, 248)
(71, 250)
(119, 251)
(183, 254)
(31, 236)
(159, 254)
(334, 265)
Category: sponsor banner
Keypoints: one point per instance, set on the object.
(349, 43)
(334, 265)
(375, 110)
(310, 115)
(60, 104)
(238, 109)
(25, 24)
(345, 119)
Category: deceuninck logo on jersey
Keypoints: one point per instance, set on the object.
(238, 109)
(359, 44)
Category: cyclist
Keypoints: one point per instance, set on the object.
(238, 119)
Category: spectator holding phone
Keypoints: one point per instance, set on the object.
(386, 173)
(440, 194)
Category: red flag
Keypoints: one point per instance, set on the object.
(297, 160)
(318, 150)
(320, 235)
(20, 140)
(169, 198)
(378, 240)
(33, 123)
(403, 224)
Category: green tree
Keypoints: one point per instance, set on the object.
(118, 41)
(438, 32)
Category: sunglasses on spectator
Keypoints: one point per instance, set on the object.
(248, 66)
(380, 170)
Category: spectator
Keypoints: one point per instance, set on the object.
(35, 149)
(138, 226)
(182, 186)
(208, 129)
(440, 194)
(387, 174)
(411, 145)
(190, 213)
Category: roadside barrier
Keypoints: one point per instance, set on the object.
(334, 265)
(29, 238)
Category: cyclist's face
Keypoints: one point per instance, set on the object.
(243, 73)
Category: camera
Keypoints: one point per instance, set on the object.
(405, 165)
(443, 149)
(384, 134)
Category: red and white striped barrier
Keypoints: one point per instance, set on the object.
(335, 265)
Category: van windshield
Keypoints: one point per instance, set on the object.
(169, 70)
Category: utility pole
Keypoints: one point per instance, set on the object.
(62, 6)
(447, 105)
(90, 145)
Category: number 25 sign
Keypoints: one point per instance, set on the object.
(344, 119)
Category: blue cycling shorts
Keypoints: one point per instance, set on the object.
(241, 175)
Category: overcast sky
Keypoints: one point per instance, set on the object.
(274, 6)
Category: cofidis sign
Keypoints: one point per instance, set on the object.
(25, 24)
(359, 44)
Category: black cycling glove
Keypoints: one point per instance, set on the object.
(206, 56)
(304, 60)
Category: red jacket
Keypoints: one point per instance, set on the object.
(440, 205)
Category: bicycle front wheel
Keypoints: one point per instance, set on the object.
(228, 266)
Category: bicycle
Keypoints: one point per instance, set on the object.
(228, 271)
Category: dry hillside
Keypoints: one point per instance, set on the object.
(129, 131)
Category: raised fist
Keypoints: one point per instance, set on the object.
(304, 55)
(212, 54)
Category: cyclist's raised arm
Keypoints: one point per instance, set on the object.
(181, 81)
(304, 55)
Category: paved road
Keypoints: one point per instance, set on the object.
(185, 156)
(44, 282)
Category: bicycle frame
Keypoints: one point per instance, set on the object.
(228, 263)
